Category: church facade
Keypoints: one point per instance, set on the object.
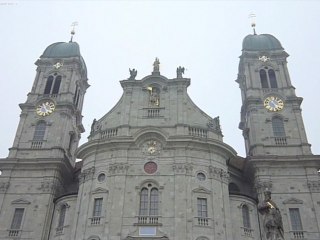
(155, 166)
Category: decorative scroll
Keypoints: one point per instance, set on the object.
(86, 175)
(219, 174)
(4, 186)
(118, 168)
(182, 168)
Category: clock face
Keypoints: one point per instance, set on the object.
(273, 103)
(45, 108)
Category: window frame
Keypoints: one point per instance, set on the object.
(148, 184)
(149, 203)
(95, 200)
(202, 207)
(268, 78)
(43, 129)
(21, 218)
(53, 84)
(245, 212)
(278, 127)
(293, 226)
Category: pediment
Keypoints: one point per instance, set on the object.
(201, 190)
(292, 201)
(99, 190)
(20, 201)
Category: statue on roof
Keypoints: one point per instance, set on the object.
(133, 74)
(180, 71)
(156, 65)
(272, 220)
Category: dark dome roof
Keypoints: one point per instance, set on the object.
(261, 42)
(62, 50)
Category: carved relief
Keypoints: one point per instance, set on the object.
(219, 174)
(261, 186)
(86, 175)
(214, 124)
(314, 185)
(118, 168)
(182, 168)
(4, 186)
(293, 201)
(151, 147)
(50, 186)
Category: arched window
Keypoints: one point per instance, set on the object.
(154, 200)
(278, 127)
(149, 201)
(40, 130)
(246, 216)
(53, 84)
(263, 79)
(144, 202)
(48, 87)
(61, 219)
(272, 78)
(268, 80)
(56, 85)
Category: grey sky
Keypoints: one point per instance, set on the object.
(203, 36)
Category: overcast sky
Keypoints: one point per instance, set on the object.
(203, 36)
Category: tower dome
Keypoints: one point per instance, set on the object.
(261, 42)
(62, 50)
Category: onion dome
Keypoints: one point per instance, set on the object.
(261, 42)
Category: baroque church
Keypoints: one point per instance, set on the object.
(155, 166)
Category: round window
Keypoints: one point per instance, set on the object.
(201, 176)
(101, 177)
(150, 167)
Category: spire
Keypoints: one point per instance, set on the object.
(72, 30)
(253, 22)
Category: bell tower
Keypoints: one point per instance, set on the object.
(41, 162)
(51, 121)
(271, 118)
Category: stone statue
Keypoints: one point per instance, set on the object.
(133, 74)
(93, 125)
(272, 220)
(156, 65)
(154, 96)
(180, 71)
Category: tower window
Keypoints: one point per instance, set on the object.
(40, 131)
(56, 85)
(268, 80)
(149, 202)
(246, 216)
(17, 218)
(263, 79)
(278, 127)
(53, 84)
(272, 78)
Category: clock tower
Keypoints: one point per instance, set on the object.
(41, 162)
(271, 118)
(51, 120)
